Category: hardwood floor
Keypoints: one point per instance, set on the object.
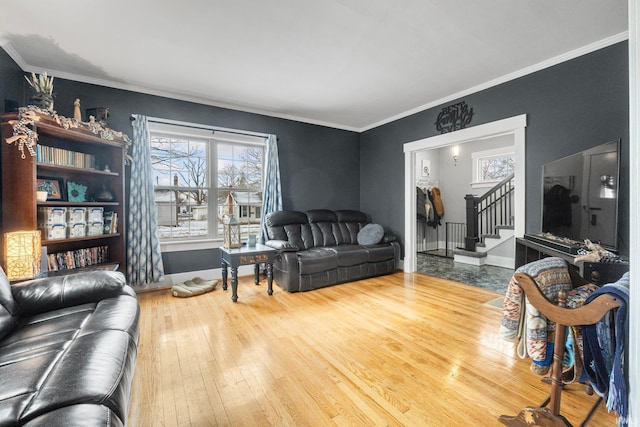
(397, 350)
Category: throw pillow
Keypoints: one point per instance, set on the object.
(370, 234)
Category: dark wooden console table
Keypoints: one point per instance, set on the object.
(599, 273)
(258, 254)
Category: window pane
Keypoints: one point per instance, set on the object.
(179, 216)
(240, 166)
(183, 178)
(495, 168)
(180, 172)
(245, 206)
(178, 161)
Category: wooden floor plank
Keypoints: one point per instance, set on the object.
(402, 349)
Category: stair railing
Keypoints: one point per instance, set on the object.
(485, 213)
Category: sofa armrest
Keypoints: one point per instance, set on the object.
(388, 238)
(51, 293)
(282, 245)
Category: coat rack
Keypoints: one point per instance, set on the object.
(591, 313)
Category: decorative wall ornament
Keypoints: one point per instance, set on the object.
(454, 117)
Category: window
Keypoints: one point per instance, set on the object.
(201, 176)
(492, 166)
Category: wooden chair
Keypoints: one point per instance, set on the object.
(588, 314)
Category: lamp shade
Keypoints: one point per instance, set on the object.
(22, 254)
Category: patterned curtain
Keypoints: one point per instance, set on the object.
(272, 192)
(144, 260)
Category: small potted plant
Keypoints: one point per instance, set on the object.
(42, 86)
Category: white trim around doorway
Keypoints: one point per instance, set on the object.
(511, 126)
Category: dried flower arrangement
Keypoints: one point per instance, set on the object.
(41, 83)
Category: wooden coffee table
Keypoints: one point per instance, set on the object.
(258, 254)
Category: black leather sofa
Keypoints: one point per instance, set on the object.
(321, 247)
(68, 348)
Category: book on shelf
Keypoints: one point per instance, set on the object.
(79, 258)
(61, 157)
(110, 224)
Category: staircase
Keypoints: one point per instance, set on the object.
(490, 231)
(496, 249)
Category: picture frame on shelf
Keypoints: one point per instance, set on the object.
(76, 192)
(53, 186)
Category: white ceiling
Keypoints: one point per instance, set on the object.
(350, 64)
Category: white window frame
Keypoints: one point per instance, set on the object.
(479, 156)
(213, 135)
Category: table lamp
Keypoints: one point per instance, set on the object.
(22, 254)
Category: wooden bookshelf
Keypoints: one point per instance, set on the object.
(19, 182)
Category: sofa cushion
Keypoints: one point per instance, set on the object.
(290, 226)
(379, 253)
(349, 223)
(316, 260)
(33, 297)
(78, 354)
(349, 255)
(321, 215)
(324, 227)
(370, 234)
(7, 306)
(81, 415)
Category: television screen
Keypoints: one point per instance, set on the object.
(580, 195)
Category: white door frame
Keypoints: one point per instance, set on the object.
(513, 125)
(634, 202)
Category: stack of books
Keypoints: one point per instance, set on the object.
(79, 258)
(62, 157)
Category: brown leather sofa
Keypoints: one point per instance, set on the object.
(322, 247)
(68, 348)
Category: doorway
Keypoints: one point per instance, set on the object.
(514, 126)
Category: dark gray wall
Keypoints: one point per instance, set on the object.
(11, 80)
(318, 165)
(305, 150)
(570, 107)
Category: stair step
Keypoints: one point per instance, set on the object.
(470, 254)
(505, 227)
(490, 236)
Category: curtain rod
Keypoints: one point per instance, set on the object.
(200, 126)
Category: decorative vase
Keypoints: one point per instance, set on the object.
(42, 100)
(103, 195)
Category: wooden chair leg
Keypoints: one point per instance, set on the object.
(542, 416)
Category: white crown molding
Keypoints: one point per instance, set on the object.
(508, 77)
(6, 45)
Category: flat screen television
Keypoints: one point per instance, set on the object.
(580, 195)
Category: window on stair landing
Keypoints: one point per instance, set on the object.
(492, 166)
(201, 175)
